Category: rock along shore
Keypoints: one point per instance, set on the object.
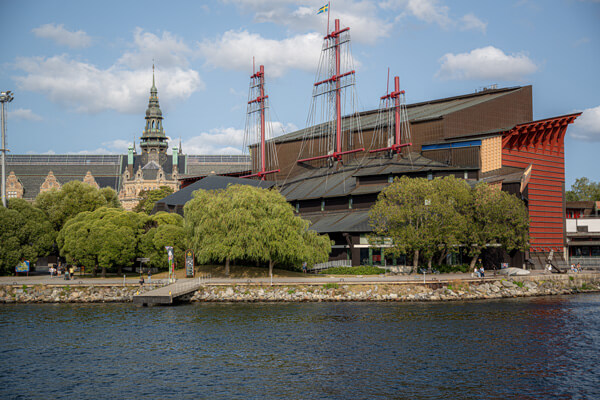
(494, 288)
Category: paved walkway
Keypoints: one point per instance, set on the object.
(308, 279)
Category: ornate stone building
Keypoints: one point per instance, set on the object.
(153, 168)
(128, 175)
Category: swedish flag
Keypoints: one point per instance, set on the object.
(323, 9)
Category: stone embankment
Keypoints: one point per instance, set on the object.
(68, 293)
(397, 291)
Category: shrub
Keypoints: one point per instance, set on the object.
(331, 286)
(445, 269)
(519, 284)
(362, 270)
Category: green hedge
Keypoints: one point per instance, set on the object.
(362, 270)
(445, 269)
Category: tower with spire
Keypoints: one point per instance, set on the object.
(153, 141)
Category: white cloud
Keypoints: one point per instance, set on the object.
(216, 141)
(235, 49)
(24, 114)
(167, 51)
(301, 16)
(122, 87)
(62, 36)
(470, 21)
(429, 11)
(120, 146)
(487, 63)
(587, 126)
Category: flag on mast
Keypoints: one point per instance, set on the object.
(323, 9)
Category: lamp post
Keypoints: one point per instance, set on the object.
(5, 97)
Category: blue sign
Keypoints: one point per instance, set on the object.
(23, 266)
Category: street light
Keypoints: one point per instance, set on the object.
(5, 97)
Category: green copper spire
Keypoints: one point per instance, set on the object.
(153, 141)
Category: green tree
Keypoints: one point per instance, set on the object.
(496, 218)
(252, 224)
(421, 217)
(164, 229)
(149, 197)
(106, 238)
(584, 190)
(26, 233)
(71, 199)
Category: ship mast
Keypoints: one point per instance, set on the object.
(399, 107)
(258, 105)
(334, 83)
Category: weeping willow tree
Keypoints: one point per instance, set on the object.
(251, 224)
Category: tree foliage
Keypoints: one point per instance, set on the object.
(496, 217)
(422, 218)
(149, 197)
(164, 229)
(71, 199)
(584, 190)
(25, 233)
(250, 224)
(106, 238)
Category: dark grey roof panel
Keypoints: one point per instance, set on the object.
(211, 183)
(351, 221)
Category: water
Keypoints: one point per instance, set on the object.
(526, 348)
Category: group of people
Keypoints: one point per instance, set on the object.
(576, 268)
(59, 270)
(479, 272)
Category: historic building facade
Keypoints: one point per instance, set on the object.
(28, 175)
(153, 168)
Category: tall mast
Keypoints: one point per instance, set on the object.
(258, 104)
(334, 83)
(399, 109)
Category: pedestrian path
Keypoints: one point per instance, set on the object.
(167, 294)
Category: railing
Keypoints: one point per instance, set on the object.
(212, 159)
(330, 264)
(586, 262)
(43, 159)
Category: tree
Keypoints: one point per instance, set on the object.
(164, 229)
(496, 218)
(252, 224)
(71, 199)
(584, 190)
(105, 238)
(420, 216)
(26, 233)
(149, 197)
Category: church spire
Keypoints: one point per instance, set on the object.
(153, 141)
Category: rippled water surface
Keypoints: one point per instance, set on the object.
(528, 348)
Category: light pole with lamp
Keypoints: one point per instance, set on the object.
(5, 97)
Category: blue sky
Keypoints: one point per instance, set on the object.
(81, 71)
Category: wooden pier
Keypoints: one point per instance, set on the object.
(167, 294)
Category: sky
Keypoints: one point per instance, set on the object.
(81, 71)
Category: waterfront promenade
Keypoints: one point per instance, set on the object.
(299, 280)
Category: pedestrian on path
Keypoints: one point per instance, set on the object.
(141, 280)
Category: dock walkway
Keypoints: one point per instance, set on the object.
(167, 294)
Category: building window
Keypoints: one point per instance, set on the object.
(350, 202)
(429, 176)
(323, 205)
(466, 175)
(297, 206)
(390, 179)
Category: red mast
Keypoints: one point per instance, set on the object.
(258, 81)
(397, 146)
(336, 78)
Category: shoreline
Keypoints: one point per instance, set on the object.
(333, 291)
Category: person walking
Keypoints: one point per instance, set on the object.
(141, 280)
(149, 275)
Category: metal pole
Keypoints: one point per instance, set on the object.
(5, 97)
